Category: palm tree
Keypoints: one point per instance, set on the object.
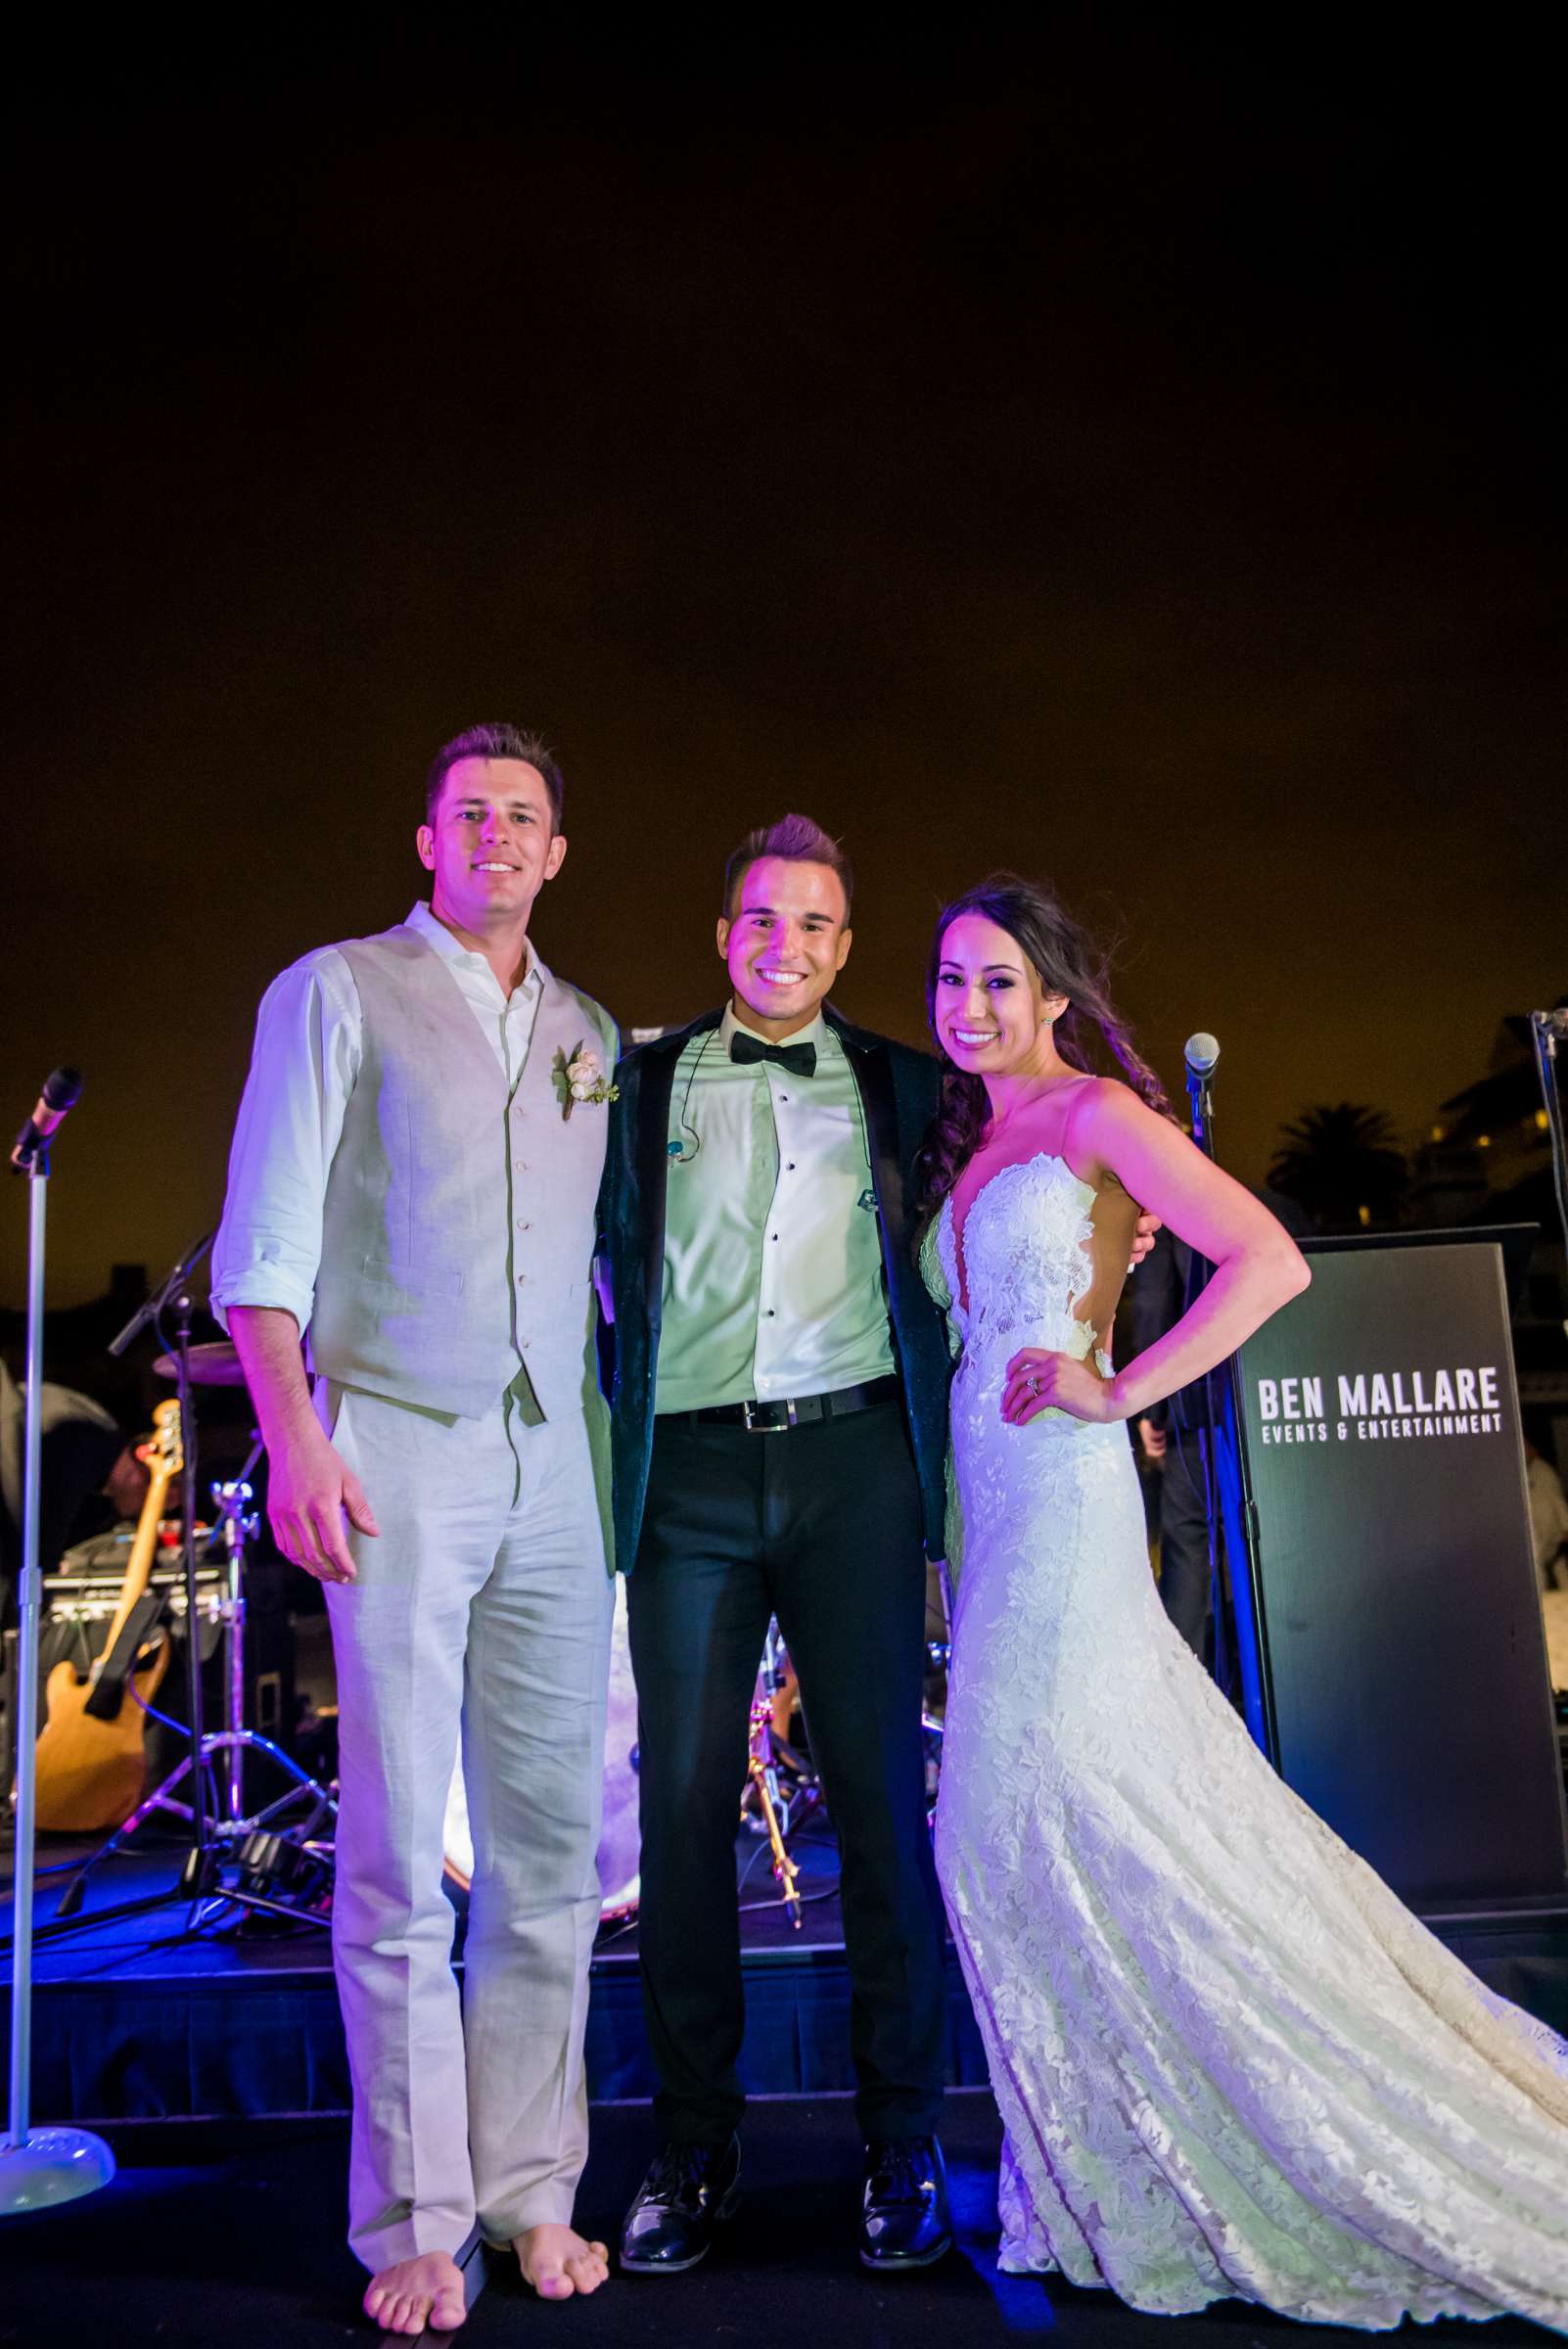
(1343, 1165)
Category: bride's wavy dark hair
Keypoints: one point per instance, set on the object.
(1088, 1030)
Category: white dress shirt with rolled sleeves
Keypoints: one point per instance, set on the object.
(307, 1055)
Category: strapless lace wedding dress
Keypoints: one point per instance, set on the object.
(1229, 2060)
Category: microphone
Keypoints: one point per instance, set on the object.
(62, 1091)
(1201, 1052)
(153, 1305)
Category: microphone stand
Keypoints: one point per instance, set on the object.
(151, 1307)
(1229, 1467)
(37, 2166)
(1546, 1027)
(1200, 1102)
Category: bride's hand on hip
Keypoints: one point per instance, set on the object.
(1038, 1381)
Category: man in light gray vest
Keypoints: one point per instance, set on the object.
(412, 1189)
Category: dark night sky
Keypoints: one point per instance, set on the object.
(1123, 454)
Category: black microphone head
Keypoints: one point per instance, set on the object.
(1201, 1053)
(63, 1087)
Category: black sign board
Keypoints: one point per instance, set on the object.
(1399, 1621)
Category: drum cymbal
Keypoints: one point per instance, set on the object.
(214, 1366)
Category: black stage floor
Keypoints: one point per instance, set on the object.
(234, 2238)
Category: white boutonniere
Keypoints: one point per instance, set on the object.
(579, 1076)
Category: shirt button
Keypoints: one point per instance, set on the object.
(521, 1278)
(772, 1235)
(769, 1314)
(523, 1224)
(790, 1168)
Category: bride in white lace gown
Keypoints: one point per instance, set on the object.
(1229, 2060)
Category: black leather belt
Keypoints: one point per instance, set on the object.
(795, 1410)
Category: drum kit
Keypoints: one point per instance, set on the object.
(282, 1853)
(618, 1879)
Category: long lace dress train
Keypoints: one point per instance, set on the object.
(1229, 2060)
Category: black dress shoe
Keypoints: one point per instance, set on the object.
(679, 2206)
(905, 2219)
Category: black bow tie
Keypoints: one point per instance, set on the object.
(799, 1059)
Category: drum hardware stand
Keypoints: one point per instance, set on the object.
(239, 1523)
(939, 1658)
(763, 1775)
(779, 1812)
(37, 2166)
(201, 1881)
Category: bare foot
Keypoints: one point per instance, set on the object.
(556, 2262)
(416, 2292)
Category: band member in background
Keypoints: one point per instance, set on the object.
(779, 1428)
(1174, 1433)
(412, 1188)
(91, 1477)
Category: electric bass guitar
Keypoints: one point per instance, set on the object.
(92, 1752)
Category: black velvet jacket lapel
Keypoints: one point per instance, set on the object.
(632, 1211)
(653, 1170)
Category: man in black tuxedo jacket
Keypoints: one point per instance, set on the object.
(1178, 1434)
(1175, 1434)
(779, 1432)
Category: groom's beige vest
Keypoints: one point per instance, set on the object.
(459, 1226)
